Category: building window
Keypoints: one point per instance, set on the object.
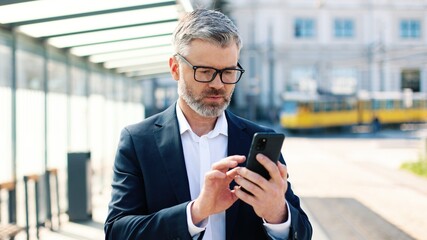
(410, 28)
(411, 79)
(304, 28)
(344, 28)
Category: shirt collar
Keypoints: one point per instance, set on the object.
(221, 125)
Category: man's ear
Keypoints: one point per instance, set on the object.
(174, 67)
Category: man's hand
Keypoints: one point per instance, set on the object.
(268, 198)
(216, 195)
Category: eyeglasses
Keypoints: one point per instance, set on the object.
(207, 74)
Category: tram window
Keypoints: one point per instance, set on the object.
(328, 106)
(337, 106)
(376, 104)
(316, 107)
(310, 106)
(366, 105)
(304, 106)
(389, 104)
(289, 107)
(416, 104)
(349, 106)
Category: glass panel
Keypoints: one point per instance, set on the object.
(78, 123)
(78, 82)
(29, 132)
(5, 114)
(30, 118)
(29, 70)
(79, 115)
(57, 130)
(97, 134)
(97, 86)
(5, 65)
(6, 134)
(57, 73)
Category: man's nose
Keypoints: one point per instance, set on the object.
(216, 82)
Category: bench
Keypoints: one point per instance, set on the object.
(8, 230)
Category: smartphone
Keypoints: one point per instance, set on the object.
(267, 143)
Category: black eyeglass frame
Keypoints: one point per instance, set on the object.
(220, 71)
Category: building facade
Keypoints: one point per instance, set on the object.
(329, 46)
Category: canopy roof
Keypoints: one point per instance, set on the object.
(132, 37)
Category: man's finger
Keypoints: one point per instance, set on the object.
(228, 162)
(269, 165)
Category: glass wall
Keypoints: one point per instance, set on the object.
(6, 112)
(63, 104)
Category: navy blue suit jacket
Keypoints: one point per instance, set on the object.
(151, 191)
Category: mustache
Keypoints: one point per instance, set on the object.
(213, 91)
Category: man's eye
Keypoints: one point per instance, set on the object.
(228, 72)
(206, 71)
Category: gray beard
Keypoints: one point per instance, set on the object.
(196, 103)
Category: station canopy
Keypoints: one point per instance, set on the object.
(132, 37)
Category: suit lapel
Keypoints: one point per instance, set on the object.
(237, 140)
(169, 145)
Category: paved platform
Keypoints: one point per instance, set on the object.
(351, 189)
(354, 189)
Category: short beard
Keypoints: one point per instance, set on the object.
(196, 102)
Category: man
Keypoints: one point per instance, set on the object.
(177, 174)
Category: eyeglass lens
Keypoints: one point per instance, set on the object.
(203, 74)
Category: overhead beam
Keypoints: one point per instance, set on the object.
(114, 35)
(99, 22)
(61, 10)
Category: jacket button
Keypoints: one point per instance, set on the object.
(296, 235)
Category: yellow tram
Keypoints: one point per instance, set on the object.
(301, 112)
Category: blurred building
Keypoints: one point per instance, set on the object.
(329, 47)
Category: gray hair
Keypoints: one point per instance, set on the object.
(209, 25)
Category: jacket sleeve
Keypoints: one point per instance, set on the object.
(300, 224)
(128, 215)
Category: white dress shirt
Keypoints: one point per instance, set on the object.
(200, 153)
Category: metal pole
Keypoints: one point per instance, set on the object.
(68, 86)
(45, 89)
(12, 196)
(271, 107)
(46, 124)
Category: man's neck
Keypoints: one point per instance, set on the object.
(199, 124)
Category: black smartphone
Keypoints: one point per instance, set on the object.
(267, 143)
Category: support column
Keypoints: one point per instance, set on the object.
(12, 195)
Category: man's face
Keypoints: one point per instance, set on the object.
(207, 99)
